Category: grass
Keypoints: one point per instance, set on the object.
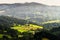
(26, 28)
(1, 35)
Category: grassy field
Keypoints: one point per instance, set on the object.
(26, 28)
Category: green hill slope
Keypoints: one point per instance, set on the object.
(16, 29)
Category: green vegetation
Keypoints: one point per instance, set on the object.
(26, 28)
(17, 29)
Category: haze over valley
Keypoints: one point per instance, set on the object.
(33, 11)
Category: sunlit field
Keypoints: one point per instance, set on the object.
(26, 28)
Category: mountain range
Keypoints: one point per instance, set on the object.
(33, 11)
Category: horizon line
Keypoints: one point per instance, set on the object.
(28, 2)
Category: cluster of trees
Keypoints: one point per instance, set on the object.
(6, 33)
(55, 31)
(9, 21)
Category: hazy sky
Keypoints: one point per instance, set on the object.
(48, 2)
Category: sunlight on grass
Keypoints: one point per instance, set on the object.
(1, 35)
(54, 21)
(25, 28)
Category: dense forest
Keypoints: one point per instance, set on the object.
(18, 29)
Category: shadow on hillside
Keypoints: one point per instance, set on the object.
(46, 35)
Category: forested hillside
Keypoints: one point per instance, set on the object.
(17, 29)
(12, 29)
(29, 21)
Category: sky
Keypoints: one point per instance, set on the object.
(47, 2)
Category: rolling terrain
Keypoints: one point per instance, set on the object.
(35, 12)
(20, 21)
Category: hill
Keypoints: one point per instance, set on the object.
(51, 24)
(35, 12)
(22, 21)
(6, 20)
(16, 29)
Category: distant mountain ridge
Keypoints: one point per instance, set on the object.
(26, 3)
(35, 12)
(32, 3)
